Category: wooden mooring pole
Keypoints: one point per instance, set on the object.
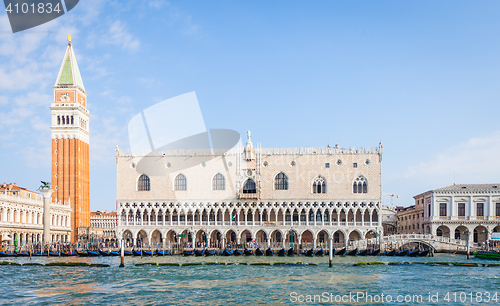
(122, 254)
(330, 252)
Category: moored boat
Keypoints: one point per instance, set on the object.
(248, 252)
(237, 253)
(269, 252)
(128, 253)
(341, 252)
(227, 252)
(104, 253)
(423, 253)
(199, 252)
(374, 252)
(188, 253)
(319, 252)
(147, 253)
(309, 253)
(402, 253)
(290, 252)
(352, 252)
(282, 252)
(363, 253)
(258, 252)
(390, 253)
(23, 254)
(93, 253)
(209, 252)
(487, 255)
(414, 253)
(162, 253)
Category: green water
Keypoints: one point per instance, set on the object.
(246, 284)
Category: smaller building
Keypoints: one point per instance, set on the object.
(21, 217)
(102, 227)
(410, 219)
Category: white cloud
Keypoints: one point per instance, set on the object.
(474, 161)
(118, 35)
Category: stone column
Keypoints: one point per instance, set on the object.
(47, 197)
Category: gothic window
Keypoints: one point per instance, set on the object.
(218, 182)
(442, 209)
(281, 182)
(180, 182)
(143, 184)
(360, 185)
(319, 185)
(58, 120)
(498, 210)
(249, 186)
(67, 119)
(71, 119)
(63, 121)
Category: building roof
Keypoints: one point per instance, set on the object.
(69, 74)
(13, 187)
(457, 187)
(101, 213)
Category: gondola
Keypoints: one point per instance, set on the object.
(52, 253)
(248, 252)
(402, 253)
(309, 253)
(423, 253)
(237, 253)
(114, 253)
(39, 254)
(128, 253)
(258, 252)
(374, 252)
(199, 252)
(82, 253)
(269, 252)
(319, 252)
(341, 252)
(390, 253)
(162, 253)
(352, 253)
(281, 252)
(188, 253)
(23, 254)
(7, 254)
(209, 252)
(93, 254)
(136, 253)
(67, 254)
(227, 252)
(104, 253)
(362, 253)
(290, 252)
(147, 253)
(414, 253)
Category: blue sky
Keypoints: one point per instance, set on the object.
(421, 76)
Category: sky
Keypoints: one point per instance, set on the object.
(421, 76)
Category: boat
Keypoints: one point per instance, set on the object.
(72, 253)
(147, 253)
(282, 252)
(269, 252)
(248, 252)
(390, 253)
(188, 253)
(414, 253)
(81, 253)
(93, 254)
(37, 254)
(341, 252)
(402, 253)
(309, 253)
(162, 253)
(199, 252)
(374, 252)
(104, 253)
(258, 252)
(353, 252)
(7, 254)
(209, 252)
(487, 255)
(227, 252)
(237, 253)
(136, 253)
(363, 253)
(52, 253)
(23, 254)
(319, 252)
(114, 253)
(290, 252)
(128, 253)
(423, 253)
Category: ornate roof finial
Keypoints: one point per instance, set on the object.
(249, 134)
(69, 39)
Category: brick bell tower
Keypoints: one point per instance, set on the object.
(70, 143)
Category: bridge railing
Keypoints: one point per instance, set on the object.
(405, 237)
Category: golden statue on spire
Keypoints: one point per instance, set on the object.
(69, 38)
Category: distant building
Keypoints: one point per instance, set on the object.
(454, 210)
(102, 227)
(21, 217)
(410, 219)
(389, 221)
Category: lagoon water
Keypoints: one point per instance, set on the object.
(246, 284)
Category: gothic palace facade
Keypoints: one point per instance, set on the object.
(271, 197)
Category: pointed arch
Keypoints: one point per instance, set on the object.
(319, 185)
(360, 185)
(180, 182)
(281, 181)
(143, 184)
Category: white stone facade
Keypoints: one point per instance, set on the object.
(456, 210)
(314, 193)
(21, 216)
(103, 225)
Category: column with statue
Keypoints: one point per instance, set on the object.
(46, 192)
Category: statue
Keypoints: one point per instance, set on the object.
(45, 185)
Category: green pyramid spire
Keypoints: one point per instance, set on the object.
(66, 77)
(69, 74)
